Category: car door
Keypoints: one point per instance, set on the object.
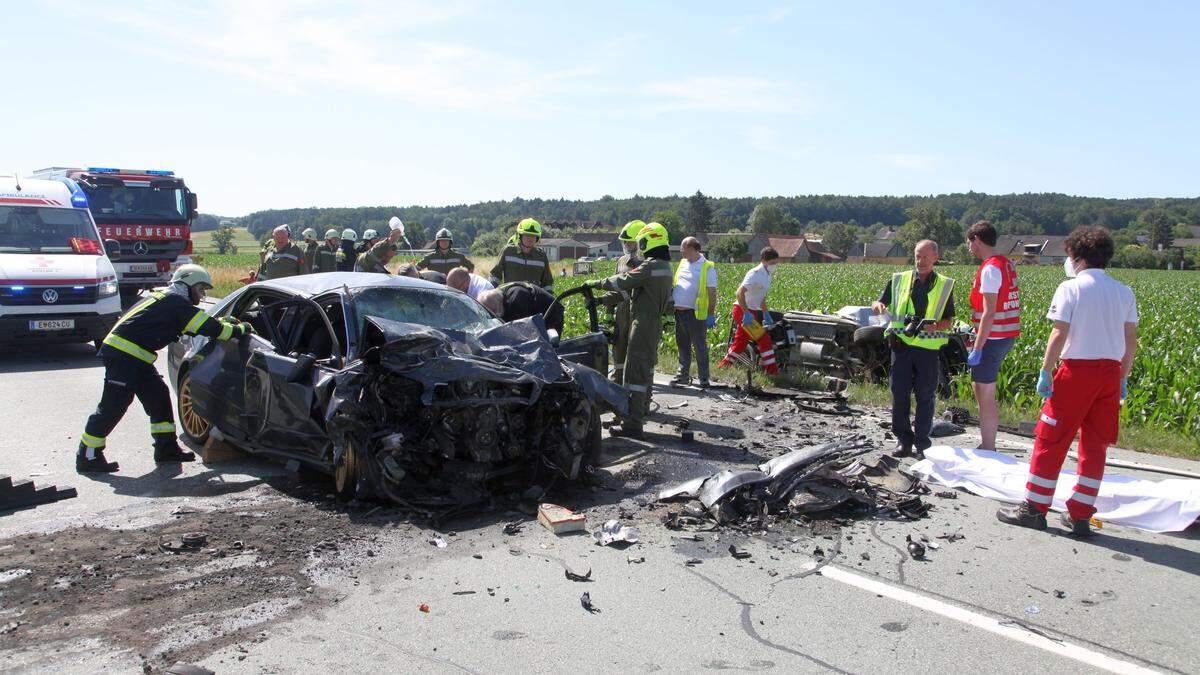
(281, 382)
(591, 348)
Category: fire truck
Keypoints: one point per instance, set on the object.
(149, 213)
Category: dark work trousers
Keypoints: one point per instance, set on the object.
(691, 333)
(124, 378)
(914, 371)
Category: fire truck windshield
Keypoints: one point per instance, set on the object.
(125, 204)
(33, 229)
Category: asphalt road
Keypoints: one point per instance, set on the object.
(987, 603)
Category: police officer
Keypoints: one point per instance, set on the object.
(379, 256)
(284, 260)
(311, 245)
(649, 286)
(128, 353)
(920, 303)
(619, 301)
(525, 262)
(326, 256)
(346, 255)
(443, 257)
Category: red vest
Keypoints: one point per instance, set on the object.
(1007, 323)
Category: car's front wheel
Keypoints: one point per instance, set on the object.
(346, 473)
(195, 428)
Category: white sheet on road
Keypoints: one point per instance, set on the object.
(1156, 506)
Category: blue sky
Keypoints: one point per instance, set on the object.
(301, 103)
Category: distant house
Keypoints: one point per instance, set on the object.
(793, 248)
(562, 249)
(598, 243)
(883, 250)
(1032, 248)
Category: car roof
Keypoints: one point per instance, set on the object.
(316, 284)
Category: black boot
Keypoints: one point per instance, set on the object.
(903, 450)
(627, 429)
(168, 451)
(1078, 528)
(1024, 515)
(97, 464)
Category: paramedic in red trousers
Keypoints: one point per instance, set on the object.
(996, 314)
(1095, 334)
(923, 295)
(751, 305)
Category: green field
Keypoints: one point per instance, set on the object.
(245, 242)
(1164, 388)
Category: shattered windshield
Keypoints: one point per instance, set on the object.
(123, 204)
(35, 229)
(445, 310)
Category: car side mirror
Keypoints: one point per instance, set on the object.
(304, 364)
(192, 205)
(112, 248)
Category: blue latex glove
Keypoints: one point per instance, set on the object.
(1045, 384)
(711, 321)
(1124, 388)
(974, 357)
(747, 319)
(767, 320)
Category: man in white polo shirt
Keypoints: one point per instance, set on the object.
(695, 296)
(465, 281)
(1095, 332)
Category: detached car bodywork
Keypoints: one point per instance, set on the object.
(400, 388)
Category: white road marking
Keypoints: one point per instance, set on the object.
(1071, 651)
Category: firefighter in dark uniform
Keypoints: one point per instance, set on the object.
(326, 256)
(521, 299)
(128, 353)
(284, 260)
(311, 246)
(649, 286)
(379, 256)
(525, 261)
(619, 302)
(369, 239)
(346, 255)
(443, 257)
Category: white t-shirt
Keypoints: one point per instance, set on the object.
(478, 285)
(686, 287)
(990, 279)
(756, 282)
(1097, 306)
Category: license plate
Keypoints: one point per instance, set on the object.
(52, 324)
(143, 268)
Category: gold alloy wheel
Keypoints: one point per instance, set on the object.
(345, 476)
(195, 425)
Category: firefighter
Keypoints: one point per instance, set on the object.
(346, 255)
(920, 303)
(311, 246)
(649, 286)
(750, 313)
(377, 259)
(525, 261)
(619, 301)
(369, 238)
(326, 257)
(128, 354)
(1095, 334)
(285, 259)
(520, 300)
(443, 257)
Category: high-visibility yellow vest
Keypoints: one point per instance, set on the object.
(939, 295)
(702, 293)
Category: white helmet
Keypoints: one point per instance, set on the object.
(396, 224)
(349, 235)
(369, 235)
(190, 275)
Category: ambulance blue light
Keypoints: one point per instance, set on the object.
(159, 172)
(78, 198)
(18, 289)
(101, 169)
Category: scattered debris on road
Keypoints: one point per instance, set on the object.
(615, 532)
(586, 601)
(560, 519)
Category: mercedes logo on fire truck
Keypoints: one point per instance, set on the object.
(50, 296)
(141, 248)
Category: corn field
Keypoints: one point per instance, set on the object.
(1164, 387)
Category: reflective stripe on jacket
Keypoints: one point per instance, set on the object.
(939, 295)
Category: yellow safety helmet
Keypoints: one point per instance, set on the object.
(514, 240)
(631, 230)
(529, 226)
(652, 236)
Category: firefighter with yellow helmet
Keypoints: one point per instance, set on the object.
(649, 287)
(525, 261)
(619, 301)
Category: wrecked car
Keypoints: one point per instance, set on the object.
(851, 344)
(399, 388)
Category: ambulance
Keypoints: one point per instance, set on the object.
(57, 282)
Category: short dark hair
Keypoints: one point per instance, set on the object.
(767, 254)
(984, 231)
(1091, 243)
